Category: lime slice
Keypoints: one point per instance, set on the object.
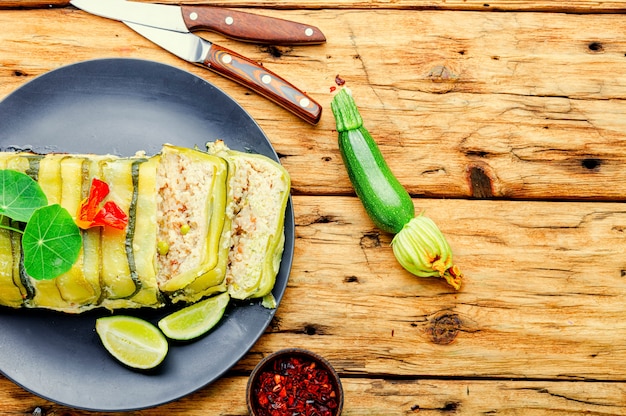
(195, 320)
(133, 341)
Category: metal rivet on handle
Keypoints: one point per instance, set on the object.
(193, 16)
(229, 20)
(266, 79)
(227, 59)
(304, 102)
(308, 31)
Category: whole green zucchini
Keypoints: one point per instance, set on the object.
(386, 201)
(419, 246)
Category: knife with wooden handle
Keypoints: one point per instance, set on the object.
(232, 65)
(250, 27)
(247, 27)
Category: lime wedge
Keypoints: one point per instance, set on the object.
(196, 319)
(133, 341)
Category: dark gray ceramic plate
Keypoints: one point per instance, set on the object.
(121, 106)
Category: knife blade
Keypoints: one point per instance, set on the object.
(246, 27)
(234, 66)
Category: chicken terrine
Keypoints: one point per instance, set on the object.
(199, 223)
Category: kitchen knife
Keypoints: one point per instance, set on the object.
(242, 26)
(230, 64)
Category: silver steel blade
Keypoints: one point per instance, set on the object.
(156, 15)
(186, 46)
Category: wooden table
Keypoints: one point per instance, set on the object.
(506, 121)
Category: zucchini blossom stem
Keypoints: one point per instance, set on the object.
(346, 112)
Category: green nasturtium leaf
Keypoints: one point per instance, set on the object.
(20, 195)
(51, 242)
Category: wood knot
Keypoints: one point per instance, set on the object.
(596, 47)
(442, 79)
(275, 323)
(591, 164)
(310, 329)
(370, 240)
(480, 183)
(441, 73)
(276, 51)
(444, 328)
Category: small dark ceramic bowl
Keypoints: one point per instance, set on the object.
(294, 379)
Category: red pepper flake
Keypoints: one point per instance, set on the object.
(339, 81)
(90, 214)
(295, 386)
(333, 88)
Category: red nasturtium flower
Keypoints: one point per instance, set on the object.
(90, 214)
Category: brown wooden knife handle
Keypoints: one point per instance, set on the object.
(252, 75)
(249, 27)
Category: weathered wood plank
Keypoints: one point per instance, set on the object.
(460, 96)
(512, 105)
(465, 104)
(543, 297)
(576, 6)
(27, 4)
(376, 397)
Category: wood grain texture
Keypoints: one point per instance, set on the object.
(508, 128)
(530, 306)
(375, 397)
(575, 6)
(530, 309)
(506, 105)
(32, 4)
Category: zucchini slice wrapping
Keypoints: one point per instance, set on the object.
(256, 210)
(188, 213)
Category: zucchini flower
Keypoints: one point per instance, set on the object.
(421, 248)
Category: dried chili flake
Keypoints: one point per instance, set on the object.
(294, 386)
(339, 81)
